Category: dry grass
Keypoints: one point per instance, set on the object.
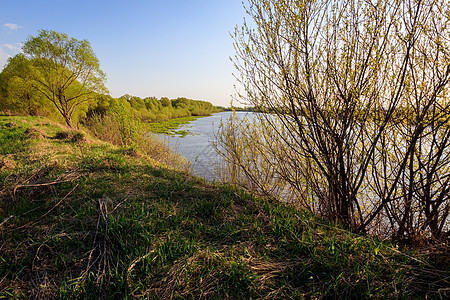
(35, 133)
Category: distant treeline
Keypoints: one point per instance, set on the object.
(151, 109)
(237, 108)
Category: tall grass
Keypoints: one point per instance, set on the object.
(121, 128)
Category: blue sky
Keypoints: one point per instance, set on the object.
(161, 48)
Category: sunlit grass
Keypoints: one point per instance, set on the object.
(81, 218)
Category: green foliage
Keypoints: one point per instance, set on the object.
(128, 126)
(165, 102)
(151, 109)
(121, 127)
(17, 87)
(68, 72)
(157, 116)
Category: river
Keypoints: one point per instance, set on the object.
(197, 145)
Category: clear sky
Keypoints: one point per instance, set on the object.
(160, 48)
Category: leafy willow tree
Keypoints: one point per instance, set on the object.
(69, 73)
(358, 124)
(16, 87)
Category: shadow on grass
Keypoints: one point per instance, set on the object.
(111, 225)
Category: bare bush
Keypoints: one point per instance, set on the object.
(355, 122)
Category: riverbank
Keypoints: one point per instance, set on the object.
(81, 218)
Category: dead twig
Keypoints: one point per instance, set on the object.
(38, 185)
(6, 220)
(59, 202)
(100, 256)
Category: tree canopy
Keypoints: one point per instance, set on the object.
(68, 72)
(16, 86)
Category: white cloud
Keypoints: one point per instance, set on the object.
(7, 51)
(11, 27)
(3, 58)
(11, 47)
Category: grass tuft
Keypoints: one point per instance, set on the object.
(72, 136)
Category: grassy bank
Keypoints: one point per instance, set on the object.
(81, 218)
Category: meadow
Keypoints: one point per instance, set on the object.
(83, 218)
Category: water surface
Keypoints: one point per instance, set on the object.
(197, 146)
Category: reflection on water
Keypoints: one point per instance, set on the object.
(197, 146)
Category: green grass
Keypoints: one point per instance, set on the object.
(83, 219)
(170, 127)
